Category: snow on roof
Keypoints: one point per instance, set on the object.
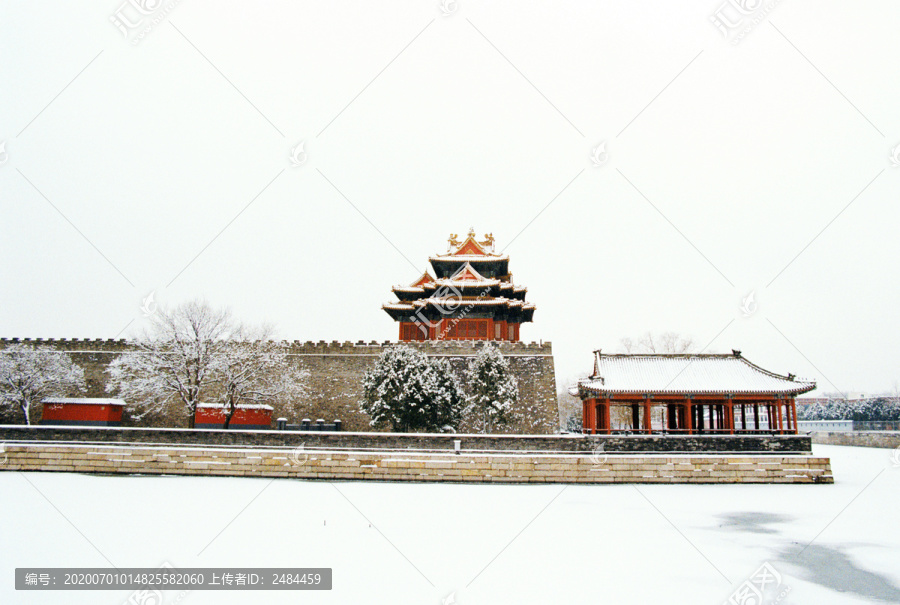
(464, 302)
(83, 400)
(398, 306)
(687, 374)
(425, 278)
(478, 258)
(467, 283)
(240, 406)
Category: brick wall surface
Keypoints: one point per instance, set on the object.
(302, 463)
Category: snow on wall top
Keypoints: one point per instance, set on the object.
(240, 406)
(83, 400)
(360, 347)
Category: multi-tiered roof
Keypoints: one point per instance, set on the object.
(470, 296)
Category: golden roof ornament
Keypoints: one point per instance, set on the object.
(488, 241)
(453, 242)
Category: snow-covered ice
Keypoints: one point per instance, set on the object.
(419, 543)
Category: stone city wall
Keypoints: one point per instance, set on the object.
(336, 372)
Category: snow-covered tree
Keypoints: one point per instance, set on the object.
(447, 397)
(838, 409)
(814, 411)
(175, 360)
(492, 390)
(253, 368)
(28, 374)
(409, 392)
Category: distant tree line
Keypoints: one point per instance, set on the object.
(874, 409)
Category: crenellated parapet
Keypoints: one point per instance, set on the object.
(83, 345)
(448, 347)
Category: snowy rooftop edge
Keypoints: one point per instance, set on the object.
(83, 400)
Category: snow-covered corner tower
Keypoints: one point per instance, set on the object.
(470, 297)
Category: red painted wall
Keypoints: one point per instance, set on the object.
(242, 417)
(462, 329)
(80, 413)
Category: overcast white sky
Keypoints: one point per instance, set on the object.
(760, 166)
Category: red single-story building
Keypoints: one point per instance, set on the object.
(246, 416)
(82, 411)
(689, 394)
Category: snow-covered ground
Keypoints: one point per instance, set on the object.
(419, 543)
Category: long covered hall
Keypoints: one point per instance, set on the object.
(691, 394)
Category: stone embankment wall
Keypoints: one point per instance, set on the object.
(859, 438)
(301, 463)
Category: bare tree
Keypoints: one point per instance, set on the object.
(570, 406)
(649, 343)
(28, 374)
(177, 359)
(667, 342)
(255, 369)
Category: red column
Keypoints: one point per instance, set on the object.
(689, 409)
(729, 411)
(794, 415)
(606, 419)
(647, 422)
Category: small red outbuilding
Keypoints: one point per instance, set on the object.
(246, 416)
(82, 411)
